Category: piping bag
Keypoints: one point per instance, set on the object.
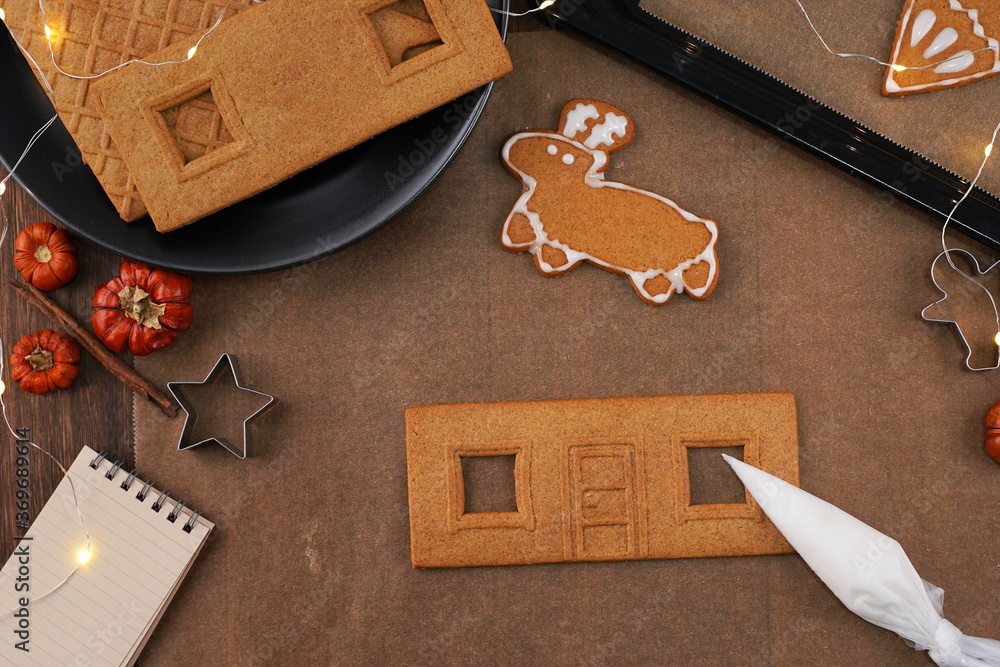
(867, 570)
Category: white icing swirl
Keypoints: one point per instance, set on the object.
(962, 60)
(605, 133)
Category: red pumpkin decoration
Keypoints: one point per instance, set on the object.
(993, 432)
(44, 361)
(45, 256)
(142, 309)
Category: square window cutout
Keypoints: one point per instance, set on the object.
(197, 126)
(712, 480)
(405, 29)
(488, 482)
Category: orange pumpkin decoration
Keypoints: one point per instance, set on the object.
(44, 361)
(993, 432)
(45, 256)
(142, 309)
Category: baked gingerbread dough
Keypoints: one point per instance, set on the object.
(596, 479)
(294, 82)
(943, 44)
(569, 212)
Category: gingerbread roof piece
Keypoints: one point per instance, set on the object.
(943, 43)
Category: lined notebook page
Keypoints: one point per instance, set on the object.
(106, 611)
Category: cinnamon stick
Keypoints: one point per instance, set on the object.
(89, 341)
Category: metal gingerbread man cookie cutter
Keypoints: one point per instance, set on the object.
(965, 341)
(225, 363)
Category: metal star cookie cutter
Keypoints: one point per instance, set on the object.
(191, 416)
(923, 313)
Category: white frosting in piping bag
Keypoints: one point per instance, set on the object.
(867, 570)
(595, 179)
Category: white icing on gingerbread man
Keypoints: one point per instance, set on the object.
(569, 213)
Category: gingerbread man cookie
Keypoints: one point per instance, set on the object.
(569, 212)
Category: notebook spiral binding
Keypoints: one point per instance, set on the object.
(147, 486)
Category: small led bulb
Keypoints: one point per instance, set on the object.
(997, 339)
(3, 387)
(899, 68)
(988, 150)
(546, 4)
(193, 50)
(3, 188)
(84, 556)
(3, 17)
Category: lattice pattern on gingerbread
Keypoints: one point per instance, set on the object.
(197, 126)
(90, 37)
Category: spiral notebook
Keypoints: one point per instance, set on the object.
(142, 544)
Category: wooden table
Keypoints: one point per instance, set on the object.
(96, 410)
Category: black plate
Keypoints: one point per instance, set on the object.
(317, 212)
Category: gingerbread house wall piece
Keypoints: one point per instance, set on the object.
(594, 480)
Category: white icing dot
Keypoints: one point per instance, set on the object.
(552, 149)
(568, 158)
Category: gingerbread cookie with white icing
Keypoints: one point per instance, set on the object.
(943, 44)
(569, 213)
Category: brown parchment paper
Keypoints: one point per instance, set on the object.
(822, 280)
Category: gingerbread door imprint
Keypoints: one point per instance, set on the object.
(604, 517)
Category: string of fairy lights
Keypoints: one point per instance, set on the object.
(51, 35)
(85, 553)
(987, 151)
(896, 66)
